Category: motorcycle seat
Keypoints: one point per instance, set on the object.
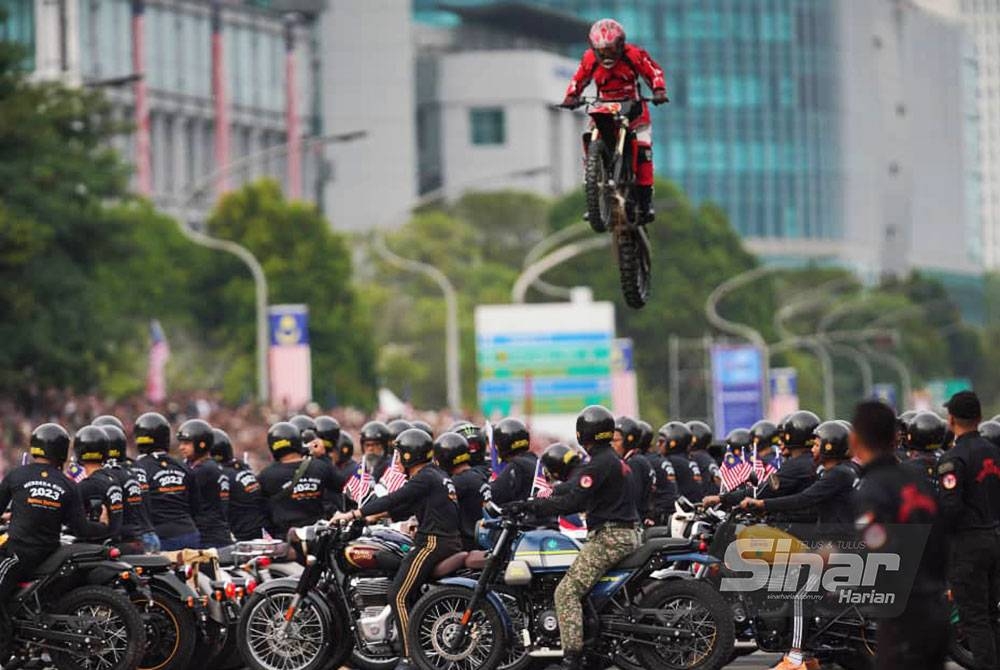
(657, 545)
(449, 565)
(65, 553)
(476, 560)
(657, 531)
(226, 555)
(148, 561)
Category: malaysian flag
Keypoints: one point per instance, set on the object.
(540, 484)
(734, 471)
(392, 479)
(496, 467)
(763, 470)
(360, 483)
(76, 472)
(159, 354)
(574, 526)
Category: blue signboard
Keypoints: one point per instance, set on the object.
(737, 386)
(289, 324)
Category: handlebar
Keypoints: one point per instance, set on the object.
(592, 100)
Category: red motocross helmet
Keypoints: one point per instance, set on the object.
(607, 39)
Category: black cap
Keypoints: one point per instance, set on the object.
(965, 405)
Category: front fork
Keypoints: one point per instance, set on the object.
(493, 562)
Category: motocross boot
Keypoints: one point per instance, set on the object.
(644, 200)
(788, 663)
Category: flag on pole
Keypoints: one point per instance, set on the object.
(359, 484)
(159, 354)
(25, 459)
(496, 467)
(76, 472)
(540, 484)
(734, 471)
(392, 479)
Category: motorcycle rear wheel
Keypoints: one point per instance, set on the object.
(436, 617)
(600, 196)
(171, 632)
(634, 266)
(697, 606)
(118, 621)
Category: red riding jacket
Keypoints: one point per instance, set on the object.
(620, 82)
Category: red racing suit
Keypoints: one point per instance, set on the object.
(621, 82)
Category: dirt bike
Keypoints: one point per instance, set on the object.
(632, 622)
(76, 609)
(338, 610)
(609, 184)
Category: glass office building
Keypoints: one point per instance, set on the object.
(753, 121)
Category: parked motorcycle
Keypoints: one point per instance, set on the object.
(634, 621)
(337, 610)
(76, 610)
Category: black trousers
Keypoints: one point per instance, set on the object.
(918, 638)
(416, 568)
(974, 576)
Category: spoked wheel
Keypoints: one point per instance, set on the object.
(634, 264)
(115, 627)
(601, 194)
(266, 643)
(170, 633)
(700, 612)
(435, 624)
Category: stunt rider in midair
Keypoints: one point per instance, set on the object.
(615, 68)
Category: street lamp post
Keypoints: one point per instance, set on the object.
(741, 329)
(241, 252)
(452, 345)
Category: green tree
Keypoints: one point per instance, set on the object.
(305, 262)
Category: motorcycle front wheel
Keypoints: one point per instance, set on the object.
(601, 195)
(267, 643)
(435, 622)
(171, 632)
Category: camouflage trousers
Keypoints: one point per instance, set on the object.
(604, 548)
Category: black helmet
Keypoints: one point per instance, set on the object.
(925, 432)
(198, 433)
(645, 436)
(375, 431)
(108, 420)
(991, 431)
(222, 446)
(51, 441)
(328, 430)
(701, 434)
(396, 428)
(799, 430)
(559, 460)
(846, 424)
(903, 422)
(675, 437)
(151, 433)
(595, 425)
(414, 447)
(306, 425)
(345, 447)
(832, 436)
(511, 435)
(450, 451)
(116, 441)
(738, 440)
(424, 426)
(473, 434)
(284, 438)
(631, 433)
(764, 434)
(90, 445)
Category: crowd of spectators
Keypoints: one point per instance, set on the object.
(246, 423)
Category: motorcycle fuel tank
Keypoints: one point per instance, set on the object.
(546, 550)
(371, 556)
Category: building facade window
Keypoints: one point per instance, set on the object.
(487, 125)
